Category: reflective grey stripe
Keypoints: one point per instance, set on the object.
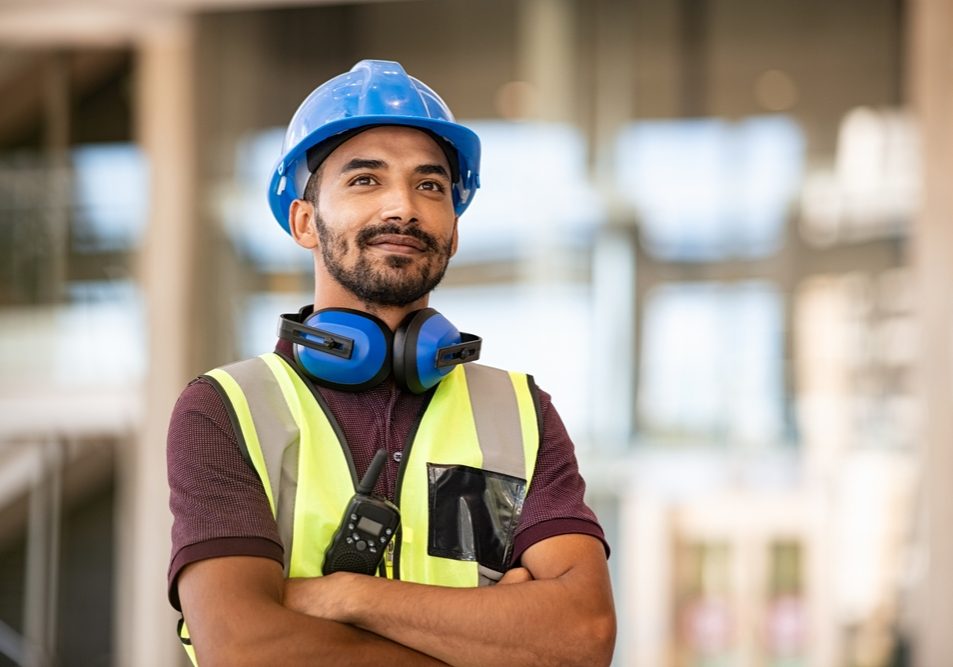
(279, 437)
(497, 418)
(499, 431)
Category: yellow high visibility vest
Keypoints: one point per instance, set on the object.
(474, 447)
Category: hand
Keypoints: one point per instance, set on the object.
(516, 575)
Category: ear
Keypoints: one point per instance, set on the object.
(455, 238)
(301, 223)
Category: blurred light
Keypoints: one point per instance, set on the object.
(707, 189)
(855, 341)
(874, 189)
(516, 100)
(775, 90)
(874, 495)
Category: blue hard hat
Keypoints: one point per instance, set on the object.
(374, 92)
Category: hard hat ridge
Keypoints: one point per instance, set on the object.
(372, 93)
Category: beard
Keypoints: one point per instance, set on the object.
(399, 284)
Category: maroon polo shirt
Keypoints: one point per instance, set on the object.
(220, 508)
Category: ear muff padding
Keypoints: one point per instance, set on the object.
(321, 340)
(417, 343)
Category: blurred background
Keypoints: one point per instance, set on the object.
(719, 233)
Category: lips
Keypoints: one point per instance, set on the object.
(401, 240)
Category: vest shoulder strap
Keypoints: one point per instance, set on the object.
(267, 432)
(504, 409)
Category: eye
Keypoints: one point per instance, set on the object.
(434, 186)
(364, 179)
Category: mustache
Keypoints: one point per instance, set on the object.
(366, 235)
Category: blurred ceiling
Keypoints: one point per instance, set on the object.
(77, 45)
(26, 78)
(45, 23)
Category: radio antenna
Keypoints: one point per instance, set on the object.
(373, 472)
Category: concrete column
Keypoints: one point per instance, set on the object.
(165, 114)
(614, 256)
(614, 73)
(41, 594)
(614, 309)
(931, 73)
(56, 143)
(547, 57)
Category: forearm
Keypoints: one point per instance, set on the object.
(291, 639)
(233, 607)
(564, 617)
(534, 623)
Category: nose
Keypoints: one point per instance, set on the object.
(399, 205)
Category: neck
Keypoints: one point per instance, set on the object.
(328, 293)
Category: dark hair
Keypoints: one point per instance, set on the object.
(311, 188)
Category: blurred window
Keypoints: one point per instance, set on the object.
(712, 363)
(72, 316)
(106, 341)
(243, 206)
(110, 197)
(535, 192)
(708, 189)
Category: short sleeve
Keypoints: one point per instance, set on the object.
(218, 504)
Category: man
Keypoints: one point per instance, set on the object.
(497, 560)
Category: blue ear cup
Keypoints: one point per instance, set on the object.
(340, 348)
(427, 347)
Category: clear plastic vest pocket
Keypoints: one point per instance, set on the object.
(473, 514)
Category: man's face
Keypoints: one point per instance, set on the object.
(384, 215)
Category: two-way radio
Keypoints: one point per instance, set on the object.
(369, 523)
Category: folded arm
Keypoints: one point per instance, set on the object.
(233, 607)
(562, 616)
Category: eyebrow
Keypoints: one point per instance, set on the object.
(363, 163)
(426, 169)
(359, 163)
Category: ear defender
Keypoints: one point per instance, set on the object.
(354, 351)
(340, 348)
(427, 347)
